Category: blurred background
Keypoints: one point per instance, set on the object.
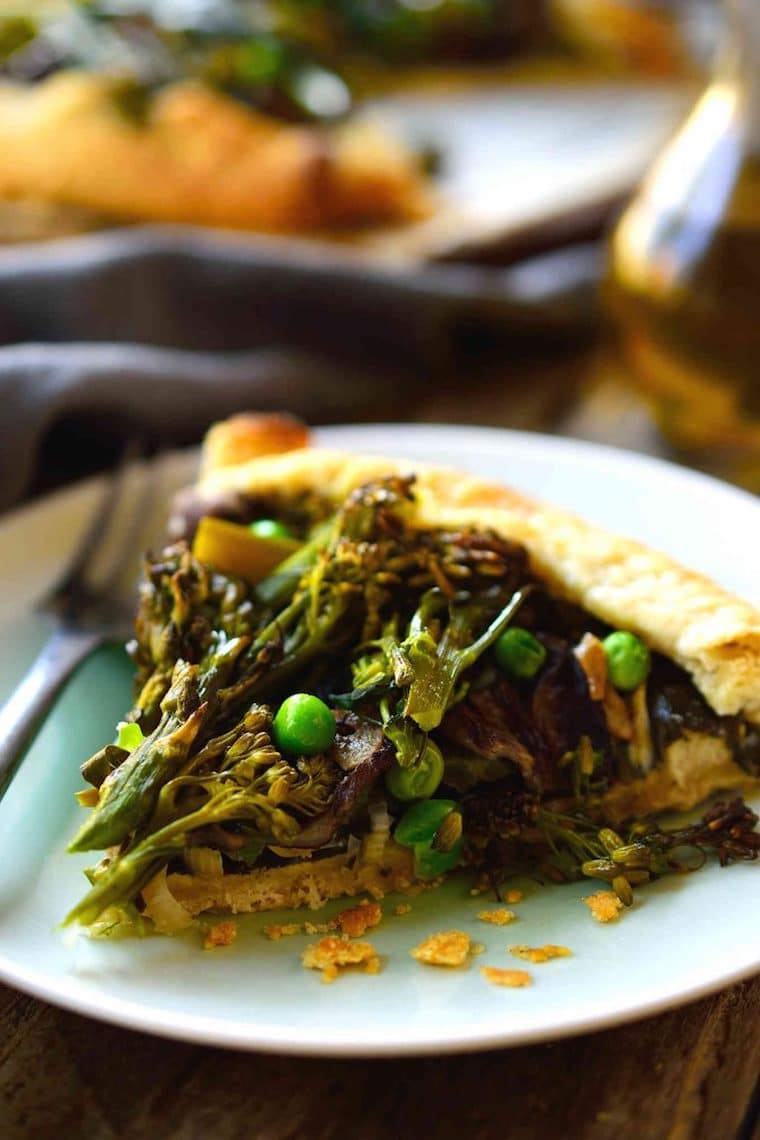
(540, 214)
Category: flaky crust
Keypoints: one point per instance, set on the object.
(250, 436)
(684, 615)
(302, 883)
(199, 157)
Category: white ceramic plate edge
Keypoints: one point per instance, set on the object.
(272, 1038)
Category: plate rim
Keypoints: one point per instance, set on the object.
(267, 1036)
(203, 1030)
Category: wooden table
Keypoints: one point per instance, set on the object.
(687, 1075)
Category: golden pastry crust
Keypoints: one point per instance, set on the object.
(199, 157)
(682, 614)
(302, 883)
(691, 770)
(250, 436)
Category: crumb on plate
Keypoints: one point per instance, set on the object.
(282, 930)
(222, 934)
(357, 920)
(513, 896)
(605, 906)
(320, 927)
(540, 953)
(402, 908)
(336, 951)
(499, 917)
(447, 948)
(514, 979)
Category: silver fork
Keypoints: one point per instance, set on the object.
(91, 604)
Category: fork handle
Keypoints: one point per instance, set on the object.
(26, 708)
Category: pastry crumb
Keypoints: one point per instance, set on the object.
(448, 948)
(513, 979)
(357, 920)
(477, 948)
(499, 917)
(605, 906)
(513, 896)
(282, 930)
(334, 952)
(540, 953)
(402, 908)
(320, 927)
(222, 934)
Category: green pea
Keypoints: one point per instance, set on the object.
(419, 781)
(269, 528)
(421, 821)
(519, 654)
(628, 660)
(428, 864)
(303, 726)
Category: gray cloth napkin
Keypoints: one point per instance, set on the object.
(160, 332)
(185, 288)
(68, 407)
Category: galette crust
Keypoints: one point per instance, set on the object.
(678, 612)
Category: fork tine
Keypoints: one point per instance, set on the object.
(75, 573)
(129, 551)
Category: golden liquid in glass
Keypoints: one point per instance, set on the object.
(684, 293)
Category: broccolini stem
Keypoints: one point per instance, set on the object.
(123, 881)
(128, 874)
(438, 667)
(128, 796)
(276, 590)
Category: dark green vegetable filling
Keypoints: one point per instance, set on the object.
(372, 664)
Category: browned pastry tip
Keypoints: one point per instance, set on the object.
(250, 435)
